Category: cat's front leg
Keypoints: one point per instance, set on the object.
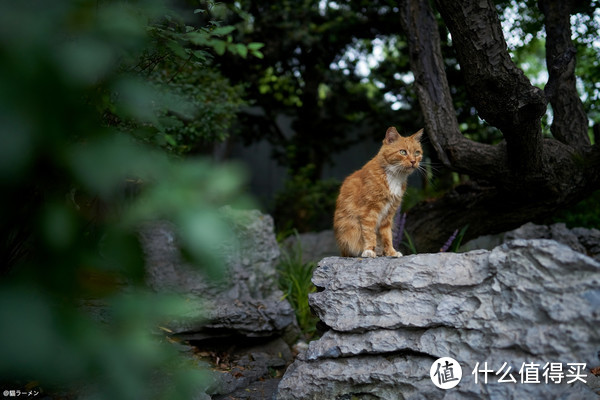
(389, 251)
(368, 227)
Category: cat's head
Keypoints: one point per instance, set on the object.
(402, 154)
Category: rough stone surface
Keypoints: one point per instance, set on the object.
(590, 240)
(232, 314)
(314, 245)
(250, 257)
(246, 302)
(527, 301)
(248, 370)
(583, 240)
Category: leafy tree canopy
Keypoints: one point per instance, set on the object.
(341, 71)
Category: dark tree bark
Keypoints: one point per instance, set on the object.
(570, 124)
(523, 178)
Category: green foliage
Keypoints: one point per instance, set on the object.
(188, 103)
(306, 205)
(409, 244)
(308, 73)
(76, 313)
(212, 106)
(585, 214)
(295, 282)
(523, 23)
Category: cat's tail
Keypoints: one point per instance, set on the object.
(348, 236)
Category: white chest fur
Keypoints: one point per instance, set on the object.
(396, 182)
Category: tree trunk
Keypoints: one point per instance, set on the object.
(570, 124)
(521, 179)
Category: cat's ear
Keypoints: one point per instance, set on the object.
(391, 135)
(418, 135)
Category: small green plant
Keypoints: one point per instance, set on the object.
(409, 243)
(295, 282)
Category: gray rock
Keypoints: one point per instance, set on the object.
(583, 240)
(250, 365)
(590, 239)
(525, 302)
(250, 258)
(247, 301)
(232, 314)
(558, 232)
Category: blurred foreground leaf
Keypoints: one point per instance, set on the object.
(77, 184)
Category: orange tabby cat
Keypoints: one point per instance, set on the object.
(369, 197)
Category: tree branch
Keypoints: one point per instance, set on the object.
(431, 84)
(570, 124)
(535, 177)
(499, 90)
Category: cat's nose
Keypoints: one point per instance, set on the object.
(413, 162)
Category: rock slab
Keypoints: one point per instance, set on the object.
(236, 314)
(582, 240)
(246, 302)
(525, 303)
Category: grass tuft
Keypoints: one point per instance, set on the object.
(295, 282)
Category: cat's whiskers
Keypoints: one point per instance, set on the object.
(423, 172)
(433, 166)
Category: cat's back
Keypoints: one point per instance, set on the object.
(363, 184)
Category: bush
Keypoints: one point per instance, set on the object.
(305, 205)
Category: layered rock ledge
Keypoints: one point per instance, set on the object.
(525, 303)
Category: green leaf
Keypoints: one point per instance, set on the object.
(201, 55)
(169, 139)
(242, 50)
(255, 46)
(223, 30)
(199, 38)
(219, 46)
(176, 48)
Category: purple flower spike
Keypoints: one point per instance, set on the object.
(399, 222)
(448, 243)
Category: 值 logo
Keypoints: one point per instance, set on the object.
(445, 373)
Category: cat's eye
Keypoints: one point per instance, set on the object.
(403, 152)
(417, 153)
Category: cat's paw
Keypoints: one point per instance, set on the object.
(368, 253)
(393, 254)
